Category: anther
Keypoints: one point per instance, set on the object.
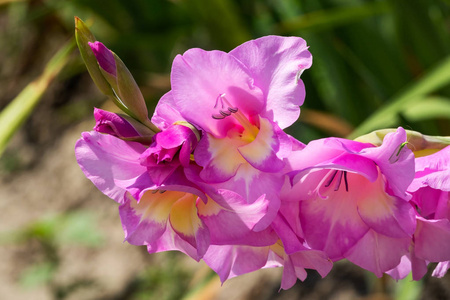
(331, 179)
(345, 180)
(225, 113)
(338, 183)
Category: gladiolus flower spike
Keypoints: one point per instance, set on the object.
(214, 175)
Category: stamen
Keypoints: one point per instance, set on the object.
(331, 179)
(231, 110)
(338, 183)
(218, 117)
(345, 180)
(225, 113)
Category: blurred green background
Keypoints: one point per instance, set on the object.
(376, 64)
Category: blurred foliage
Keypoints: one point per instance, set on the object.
(377, 63)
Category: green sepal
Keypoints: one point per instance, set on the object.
(83, 35)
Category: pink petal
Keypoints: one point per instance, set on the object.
(166, 112)
(110, 163)
(378, 253)
(441, 269)
(383, 213)
(396, 162)
(233, 220)
(332, 224)
(276, 63)
(264, 152)
(432, 240)
(199, 77)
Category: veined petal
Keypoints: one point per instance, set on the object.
(396, 162)
(262, 152)
(432, 239)
(170, 241)
(110, 163)
(187, 224)
(340, 225)
(276, 63)
(296, 263)
(231, 261)
(378, 253)
(251, 185)
(382, 212)
(166, 112)
(198, 77)
(233, 220)
(145, 221)
(219, 158)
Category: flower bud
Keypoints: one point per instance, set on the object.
(420, 144)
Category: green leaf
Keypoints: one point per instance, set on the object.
(386, 116)
(428, 108)
(15, 114)
(329, 18)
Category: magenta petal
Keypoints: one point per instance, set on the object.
(378, 253)
(339, 228)
(110, 163)
(171, 241)
(402, 269)
(231, 261)
(432, 240)
(296, 263)
(396, 162)
(113, 124)
(104, 57)
(383, 213)
(267, 151)
(199, 77)
(166, 112)
(139, 231)
(232, 219)
(291, 242)
(276, 63)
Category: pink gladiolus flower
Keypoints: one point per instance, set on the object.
(241, 101)
(430, 191)
(352, 199)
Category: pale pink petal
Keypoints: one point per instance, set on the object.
(378, 253)
(186, 223)
(396, 162)
(276, 64)
(219, 158)
(145, 221)
(441, 269)
(264, 152)
(231, 261)
(170, 241)
(332, 224)
(233, 220)
(296, 263)
(166, 112)
(110, 163)
(432, 239)
(199, 77)
(382, 212)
